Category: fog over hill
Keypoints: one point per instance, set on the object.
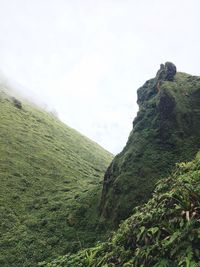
(86, 59)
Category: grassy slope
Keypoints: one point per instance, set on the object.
(49, 175)
(165, 232)
(165, 131)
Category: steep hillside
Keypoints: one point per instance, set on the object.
(165, 131)
(51, 178)
(165, 232)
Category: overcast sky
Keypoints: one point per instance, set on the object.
(86, 59)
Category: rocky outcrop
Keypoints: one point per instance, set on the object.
(17, 103)
(165, 131)
(166, 72)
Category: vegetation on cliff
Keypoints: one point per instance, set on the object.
(165, 131)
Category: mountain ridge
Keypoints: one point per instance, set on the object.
(166, 130)
(59, 206)
(49, 174)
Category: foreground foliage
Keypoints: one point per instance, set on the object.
(165, 232)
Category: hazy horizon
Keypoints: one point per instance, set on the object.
(87, 59)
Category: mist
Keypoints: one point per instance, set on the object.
(86, 60)
(14, 89)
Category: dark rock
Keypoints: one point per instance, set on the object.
(166, 72)
(165, 104)
(17, 103)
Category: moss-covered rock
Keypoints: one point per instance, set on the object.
(165, 131)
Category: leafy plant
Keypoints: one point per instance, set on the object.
(165, 232)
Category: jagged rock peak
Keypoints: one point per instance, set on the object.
(166, 72)
(166, 130)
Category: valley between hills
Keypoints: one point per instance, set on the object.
(67, 202)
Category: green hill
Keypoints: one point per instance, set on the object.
(51, 177)
(165, 131)
(165, 232)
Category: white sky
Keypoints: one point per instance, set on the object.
(86, 59)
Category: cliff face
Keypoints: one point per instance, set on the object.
(165, 131)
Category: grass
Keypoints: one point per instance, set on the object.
(49, 173)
